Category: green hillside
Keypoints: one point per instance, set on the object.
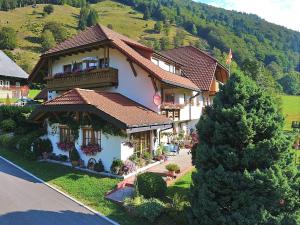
(29, 22)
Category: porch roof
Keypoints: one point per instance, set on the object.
(112, 107)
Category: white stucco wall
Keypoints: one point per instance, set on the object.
(112, 147)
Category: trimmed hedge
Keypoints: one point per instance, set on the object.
(151, 185)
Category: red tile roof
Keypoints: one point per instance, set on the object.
(198, 66)
(98, 33)
(111, 104)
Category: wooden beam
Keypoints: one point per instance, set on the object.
(154, 84)
(132, 68)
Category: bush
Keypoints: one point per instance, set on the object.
(48, 9)
(129, 167)
(176, 209)
(26, 141)
(172, 167)
(99, 167)
(74, 155)
(151, 185)
(6, 140)
(8, 38)
(146, 208)
(42, 145)
(116, 166)
(8, 125)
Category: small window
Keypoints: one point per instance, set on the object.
(91, 137)
(18, 84)
(1, 83)
(66, 135)
(170, 98)
(67, 68)
(91, 64)
(7, 83)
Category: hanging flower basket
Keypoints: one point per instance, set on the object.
(91, 150)
(65, 146)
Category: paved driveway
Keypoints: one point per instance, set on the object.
(26, 201)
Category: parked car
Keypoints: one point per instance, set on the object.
(26, 101)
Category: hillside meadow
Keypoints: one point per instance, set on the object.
(29, 22)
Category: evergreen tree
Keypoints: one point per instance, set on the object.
(84, 13)
(47, 40)
(194, 30)
(158, 26)
(8, 38)
(147, 14)
(164, 43)
(245, 167)
(92, 18)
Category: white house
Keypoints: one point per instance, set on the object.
(100, 75)
(13, 78)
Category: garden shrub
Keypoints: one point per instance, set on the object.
(6, 140)
(177, 209)
(172, 167)
(99, 167)
(151, 185)
(116, 166)
(74, 155)
(42, 145)
(8, 125)
(146, 208)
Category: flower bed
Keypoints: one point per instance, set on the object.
(65, 146)
(91, 150)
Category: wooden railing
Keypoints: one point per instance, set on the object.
(86, 79)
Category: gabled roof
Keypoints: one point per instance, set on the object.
(113, 107)
(97, 34)
(198, 66)
(9, 68)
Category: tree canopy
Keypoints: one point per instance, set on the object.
(245, 167)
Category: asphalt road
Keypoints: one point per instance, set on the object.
(26, 201)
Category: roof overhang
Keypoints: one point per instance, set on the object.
(44, 111)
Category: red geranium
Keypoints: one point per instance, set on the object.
(91, 149)
(65, 146)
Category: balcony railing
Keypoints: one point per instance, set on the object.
(85, 79)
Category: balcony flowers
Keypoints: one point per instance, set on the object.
(65, 146)
(91, 149)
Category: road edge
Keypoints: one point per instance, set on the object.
(59, 191)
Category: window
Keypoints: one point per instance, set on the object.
(1, 83)
(103, 63)
(66, 135)
(7, 83)
(91, 137)
(173, 114)
(18, 84)
(67, 68)
(91, 64)
(77, 67)
(141, 142)
(169, 98)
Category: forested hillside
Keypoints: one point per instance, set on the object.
(269, 53)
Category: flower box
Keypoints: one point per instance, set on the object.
(91, 149)
(65, 146)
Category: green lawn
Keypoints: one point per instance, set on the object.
(90, 189)
(290, 109)
(33, 93)
(181, 186)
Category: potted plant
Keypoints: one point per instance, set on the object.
(116, 166)
(74, 157)
(172, 168)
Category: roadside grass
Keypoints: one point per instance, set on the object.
(90, 189)
(33, 93)
(290, 110)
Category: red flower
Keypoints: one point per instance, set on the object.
(91, 149)
(65, 146)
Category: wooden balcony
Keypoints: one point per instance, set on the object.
(96, 78)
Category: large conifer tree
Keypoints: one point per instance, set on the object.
(245, 170)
